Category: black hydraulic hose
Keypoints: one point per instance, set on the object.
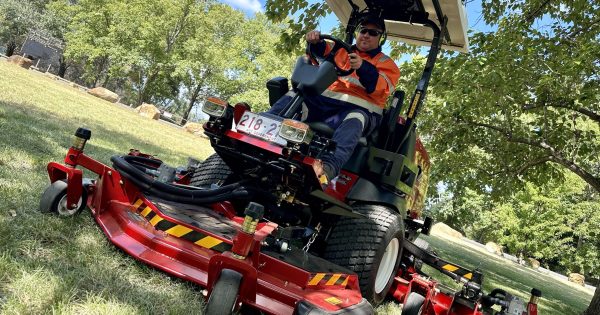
(236, 194)
(239, 193)
(496, 292)
(141, 178)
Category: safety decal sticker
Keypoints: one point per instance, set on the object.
(328, 279)
(333, 300)
(179, 231)
(414, 104)
(459, 271)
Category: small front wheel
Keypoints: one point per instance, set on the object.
(224, 295)
(54, 200)
(414, 304)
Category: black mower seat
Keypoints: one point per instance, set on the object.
(325, 130)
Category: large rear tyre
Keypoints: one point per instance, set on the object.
(54, 200)
(212, 171)
(224, 295)
(414, 304)
(370, 247)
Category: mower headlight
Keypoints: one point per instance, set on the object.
(295, 131)
(214, 107)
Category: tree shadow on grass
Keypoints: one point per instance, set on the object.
(75, 251)
(32, 241)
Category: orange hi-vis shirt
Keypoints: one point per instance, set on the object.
(369, 86)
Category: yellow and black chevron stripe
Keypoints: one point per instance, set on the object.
(328, 279)
(458, 270)
(179, 231)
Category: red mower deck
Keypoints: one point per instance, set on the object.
(194, 243)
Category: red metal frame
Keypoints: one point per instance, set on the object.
(73, 176)
(111, 201)
(437, 301)
(338, 188)
(269, 284)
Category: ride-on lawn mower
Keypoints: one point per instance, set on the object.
(254, 224)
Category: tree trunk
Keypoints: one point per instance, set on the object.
(143, 97)
(11, 46)
(594, 307)
(192, 101)
(62, 67)
(100, 68)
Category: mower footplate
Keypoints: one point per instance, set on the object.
(197, 216)
(307, 262)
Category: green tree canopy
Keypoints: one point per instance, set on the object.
(17, 18)
(175, 53)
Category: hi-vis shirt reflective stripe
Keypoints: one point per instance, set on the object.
(350, 89)
(346, 97)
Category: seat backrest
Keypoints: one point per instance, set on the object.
(380, 137)
(390, 120)
(277, 87)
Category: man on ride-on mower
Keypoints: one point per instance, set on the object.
(353, 104)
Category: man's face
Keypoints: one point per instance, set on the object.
(366, 41)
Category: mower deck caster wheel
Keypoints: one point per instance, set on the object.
(414, 304)
(54, 200)
(224, 295)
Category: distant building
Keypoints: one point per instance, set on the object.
(44, 50)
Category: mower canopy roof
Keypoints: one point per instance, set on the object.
(405, 19)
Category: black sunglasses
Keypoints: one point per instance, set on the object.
(371, 31)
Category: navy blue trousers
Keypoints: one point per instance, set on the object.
(349, 121)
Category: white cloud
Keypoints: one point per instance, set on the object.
(246, 5)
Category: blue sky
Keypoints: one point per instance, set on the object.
(325, 25)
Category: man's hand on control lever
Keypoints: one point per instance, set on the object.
(355, 61)
(312, 37)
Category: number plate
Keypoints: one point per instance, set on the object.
(261, 127)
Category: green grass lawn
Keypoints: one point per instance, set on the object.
(65, 266)
(52, 265)
(558, 297)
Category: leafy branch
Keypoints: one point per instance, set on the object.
(554, 155)
(582, 110)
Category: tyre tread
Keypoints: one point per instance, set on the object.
(213, 170)
(354, 242)
(224, 293)
(413, 304)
